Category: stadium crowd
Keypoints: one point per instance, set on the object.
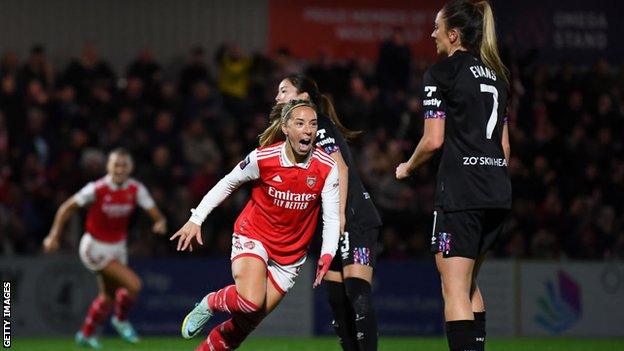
(188, 126)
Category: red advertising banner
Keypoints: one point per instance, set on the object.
(350, 28)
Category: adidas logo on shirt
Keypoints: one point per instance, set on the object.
(277, 178)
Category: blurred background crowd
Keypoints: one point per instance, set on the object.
(188, 125)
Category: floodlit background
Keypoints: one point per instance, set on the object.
(186, 86)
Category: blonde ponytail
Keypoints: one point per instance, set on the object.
(488, 48)
(273, 133)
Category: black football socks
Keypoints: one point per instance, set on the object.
(344, 317)
(462, 335)
(480, 329)
(360, 297)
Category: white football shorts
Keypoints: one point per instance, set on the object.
(282, 276)
(95, 254)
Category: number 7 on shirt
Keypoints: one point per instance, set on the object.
(485, 88)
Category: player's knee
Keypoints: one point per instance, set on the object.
(135, 287)
(454, 288)
(448, 292)
(106, 297)
(257, 307)
(253, 302)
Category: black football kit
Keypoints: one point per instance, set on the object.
(473, 189)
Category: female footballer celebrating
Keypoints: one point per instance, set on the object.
(293, 180)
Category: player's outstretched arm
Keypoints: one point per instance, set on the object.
(160, 222)
(189, 233)
(145, 200)
(245, 171)
(51, 242)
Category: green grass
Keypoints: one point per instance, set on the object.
(327, 344)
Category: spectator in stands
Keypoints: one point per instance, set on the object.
(393, 65)
(196, 70)
(37, 69)
(87, 71)
(147, 69)
(9, 64)
(557, 124)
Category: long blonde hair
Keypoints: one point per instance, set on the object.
(489, 48)
(475, 22)
(280, 114)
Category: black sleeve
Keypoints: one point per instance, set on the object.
(433, 102)
(326, 135)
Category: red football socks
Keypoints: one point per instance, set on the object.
(231, 333)
(96, 315)
(123, 303)
(228, 300)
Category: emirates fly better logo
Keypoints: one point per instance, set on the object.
(290, 200)
(560, 304)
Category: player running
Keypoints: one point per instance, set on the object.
(293, 180)
(111, 201)
(350, 274)
(465, 99)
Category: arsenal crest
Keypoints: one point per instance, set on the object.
(311, 181)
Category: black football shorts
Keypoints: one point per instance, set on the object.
(467, 233)
(356, 246)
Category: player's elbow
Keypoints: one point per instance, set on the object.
(434, 143)
(67, 206)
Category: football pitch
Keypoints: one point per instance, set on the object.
(326, 344)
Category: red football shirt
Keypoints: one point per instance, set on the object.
(285, 201)
(111, 206)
